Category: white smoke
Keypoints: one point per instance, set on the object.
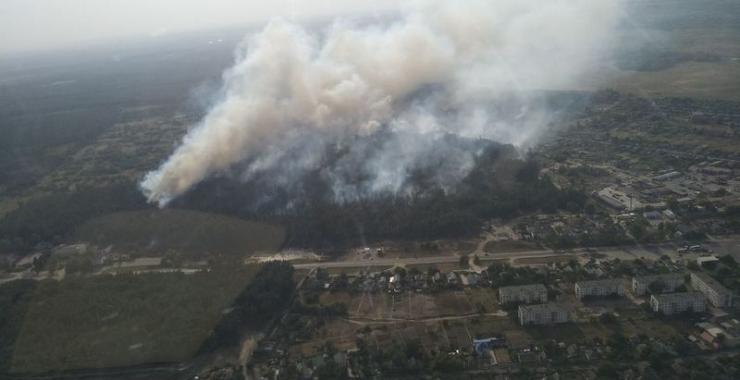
(295, 90)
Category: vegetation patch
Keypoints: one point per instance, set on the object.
(181, 230)
(53, 217)
(14, 300)
(114, 321)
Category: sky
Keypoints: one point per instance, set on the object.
(37, 25)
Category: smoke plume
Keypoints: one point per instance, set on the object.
(442, 68)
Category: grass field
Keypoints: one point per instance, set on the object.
(413, 306)
(181, 230)
(124, 320)
(686, 137)
(7, 205)
(690, 79)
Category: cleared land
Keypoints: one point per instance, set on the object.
(181, 230)
(692, 79)
(414, 306)
(449, 320)
(124, 320)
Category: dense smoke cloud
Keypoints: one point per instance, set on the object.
(443, 67)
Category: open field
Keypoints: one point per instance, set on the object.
(124, 320)
(451, 334)
(444, 335)
(14, 300)
(689, 137)
(691, 79)
(450, 319)
(181, 230)
(414, 306)
(7, 205)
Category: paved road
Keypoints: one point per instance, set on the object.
(652, 251)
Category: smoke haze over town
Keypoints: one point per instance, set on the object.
(437, 70)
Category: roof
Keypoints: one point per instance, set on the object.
(706, 259)
(544, 308)
(518, 289)
(658, 277)
(695, 296)
(600, 283)
(712, 283)
(502, 355)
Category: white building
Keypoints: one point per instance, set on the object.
(668, 283)
(543, 314)
(534, 293)
(599, 288)
(618, 199)
(674, 303)
(715, 292)
(701, 260)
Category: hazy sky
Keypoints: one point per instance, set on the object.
(44, 24)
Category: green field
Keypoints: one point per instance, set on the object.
(181, 230)
(690, 137)
(693, 79)
(123, 320)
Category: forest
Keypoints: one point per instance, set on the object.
(499, 186)
(50, 219)
(255, 307)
